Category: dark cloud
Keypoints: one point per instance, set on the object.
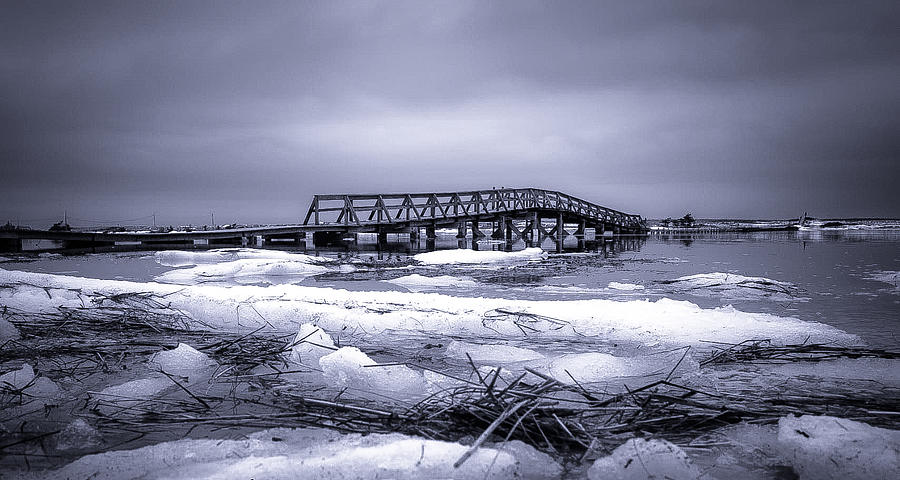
(722, 108)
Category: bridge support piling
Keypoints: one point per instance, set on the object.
(461, 230)
(560, 227)
(382, 236)
(476, 232)
(580, 229)
(413, 234)
(499, 232)
(429, 232)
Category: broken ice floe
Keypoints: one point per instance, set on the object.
(639, 459)
(8, 331)
(180, 258)
(815, 448)
(465, 256)
(24, 381)
(286, 307)
(890, 277)
(418, 283)
(311, 453)
(734, 287)
(183, 360)
(349, 367)
(310, 345)
(624, 286)
(248, 271)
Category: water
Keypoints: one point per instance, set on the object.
(831, 272)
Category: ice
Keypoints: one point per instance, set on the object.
(24, 381)
(285, 307)
(348, 367)
(183, 360)
(244, 271)
(135, 391)
(17, 380)
(492, 354)
(734, 286)
(593, 367)
(179, 258)
(5, 259)
(416, 282)
(882, 370)
(78, 435)
(823, 448)
(311, 453)
(640, 459)
(891, 277)
(8, 331)
(465, 256)
(624, 286)
(310, 345)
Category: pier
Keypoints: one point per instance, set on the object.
(526, 214)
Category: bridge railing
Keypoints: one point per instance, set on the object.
(387, 209)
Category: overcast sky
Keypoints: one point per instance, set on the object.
(116, 110)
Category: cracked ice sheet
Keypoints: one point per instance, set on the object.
(286, 307)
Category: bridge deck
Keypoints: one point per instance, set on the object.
(449, 207)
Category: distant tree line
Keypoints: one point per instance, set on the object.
(685, 221)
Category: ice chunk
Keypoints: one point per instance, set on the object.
(8, 331)
(350, 367)
(444, 257)
(823, 448)
(17, 380)
(882, 370)
(244, 271)
(416, 282)
(494, 354)
(179, 258)
(78, 435)
(183, 360)
(595, 367)
(891, 277)
(645, 459)
(311, 344)
(313, 453)
(624, 286)
(24, 381)
(135, 391)
(734, 286)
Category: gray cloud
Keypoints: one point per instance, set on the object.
(119, 109)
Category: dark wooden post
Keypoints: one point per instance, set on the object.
(461, 230)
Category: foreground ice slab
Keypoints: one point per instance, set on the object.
(349, 367)
(310, 453)
(830, 448)
(286, 307)
(640, 459)
(465, 256)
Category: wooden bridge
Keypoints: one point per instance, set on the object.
(528, 214)
(512, 212)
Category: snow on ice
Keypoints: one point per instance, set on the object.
(310, 453)
(465, 256)
(286, 307)
(639, 459)
(310, 345)
(183, 360)
(417, 283)
(624, 286)
(348, 367)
